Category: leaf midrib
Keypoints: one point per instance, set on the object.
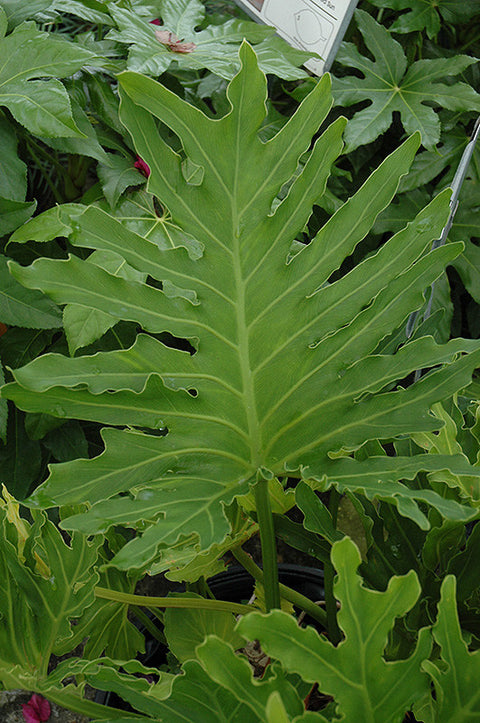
(242, 327)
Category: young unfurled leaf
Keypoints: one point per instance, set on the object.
(389, 86)
(366, 687)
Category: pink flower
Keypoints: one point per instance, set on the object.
(36, 710)
(155, 22)
(141, 166)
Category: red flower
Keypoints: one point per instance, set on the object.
(155, 22)
(36, 710)
(141, 166)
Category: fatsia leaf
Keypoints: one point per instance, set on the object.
(428, 14)
(457, 693)
(42, 106)
(365, 686)
(250, 358)
(13, 171)
(215, 47)
(389, 86)
(18, 12)
(118, 175)
(94, 11)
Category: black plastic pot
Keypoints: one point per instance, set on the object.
(233, 585)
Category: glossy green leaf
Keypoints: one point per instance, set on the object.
(13, 171)
(236, 675)
(3, 411)
(83, 325)
(365, 686)
(67, 442)
(95, 11)
(444, 159)
(445, 441)
(107, 625)
(428, 14)
(86, 144)
(20, 457)
(192, 697)
(42, 106)
(215, 47)
(389, 86)
(17, 12)
(276, 712)
(317, 518)
(117, 176)
(14, 213)
(455, 681)
(46, 584)
(270, 333)
(464, 566)
(186, 629)
(376, 478)
(25, 307)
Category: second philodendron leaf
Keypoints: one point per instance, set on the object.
(366, 687)
(281, 366)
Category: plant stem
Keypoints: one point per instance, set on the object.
(148, 624)
(173, 602)
(296, 598)
(334, 632)
(269, 550)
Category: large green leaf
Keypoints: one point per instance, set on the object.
(457, 696)
(285, 369)
(215, 47)
(17, 12)
(389, 86)
(365, 686)
(28, 80)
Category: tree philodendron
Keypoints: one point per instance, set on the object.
(287, 365)
(256, 358)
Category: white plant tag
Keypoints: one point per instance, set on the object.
(315, 25)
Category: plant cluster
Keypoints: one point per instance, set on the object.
(225, 316)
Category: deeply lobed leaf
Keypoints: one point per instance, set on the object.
(284, 369)
(364, 685)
